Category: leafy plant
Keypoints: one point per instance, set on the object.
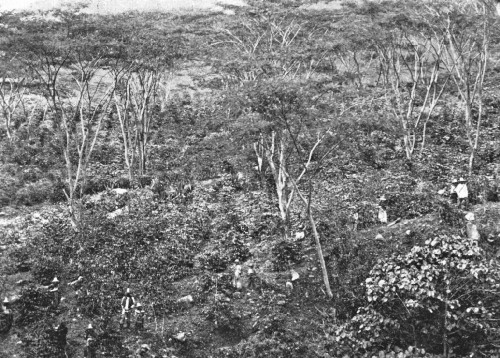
(286, 253)
(436, 297)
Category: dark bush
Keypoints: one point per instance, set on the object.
(215, 260)
(32, 306)
(451, 215)
(410, 205)
(286, 253)
(224, 318)
(34, 193)
(21, 259)
(45, 269)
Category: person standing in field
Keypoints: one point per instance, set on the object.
(127, 304)
(462, 193)
(453, 191)
(382, 213)
(6, 317)
(252, 277)
(54, 290)
(139, 317)
(90, 342)
(237, 275)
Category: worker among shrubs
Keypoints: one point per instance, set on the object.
(382, 213)
(237, 275)
(143, 351)
(139, 317)
(6, 317)
(355, 219)
(453, 191)
(61, 333)
(54, 290)
(90, 342)
(127, 304)
(252, 277)
(462, 193)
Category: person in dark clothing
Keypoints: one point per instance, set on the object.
(252, 277)
(139, 317)
(90, 342)
(453, 191)
(54, 290)
(61, 333)
(6, 317)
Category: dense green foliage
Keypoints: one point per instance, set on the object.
(158, 149)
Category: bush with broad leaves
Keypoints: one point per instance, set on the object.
(441, 296)
(286, 252)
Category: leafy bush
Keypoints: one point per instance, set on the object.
(433, 297)
(288, 344)
(32, 306)
(215, 260)
(481, 190)
(34, 193)
(410, 205)
(451, 215)
(285, 253)
(42, 341)
(489, 228)
(21, 259)
(224, 317)
(45, 269)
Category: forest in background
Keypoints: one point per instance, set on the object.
(150, 151)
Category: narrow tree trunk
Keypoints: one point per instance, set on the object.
(319, 250)
(7, 128)
(471, 160)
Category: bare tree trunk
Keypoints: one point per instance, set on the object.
(319, 251)
(9, 101)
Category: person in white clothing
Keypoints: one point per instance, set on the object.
(462, 193)
(382, 213)
(237, 275)
(127, 303)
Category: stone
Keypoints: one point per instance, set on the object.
(186, 299)
(299, 235)
(469, 216)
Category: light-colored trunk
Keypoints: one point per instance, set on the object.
(319, 251)
(278, 168)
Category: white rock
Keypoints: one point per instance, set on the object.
(186, 299)
(469, 216)
(120, 191)
(114, 214)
